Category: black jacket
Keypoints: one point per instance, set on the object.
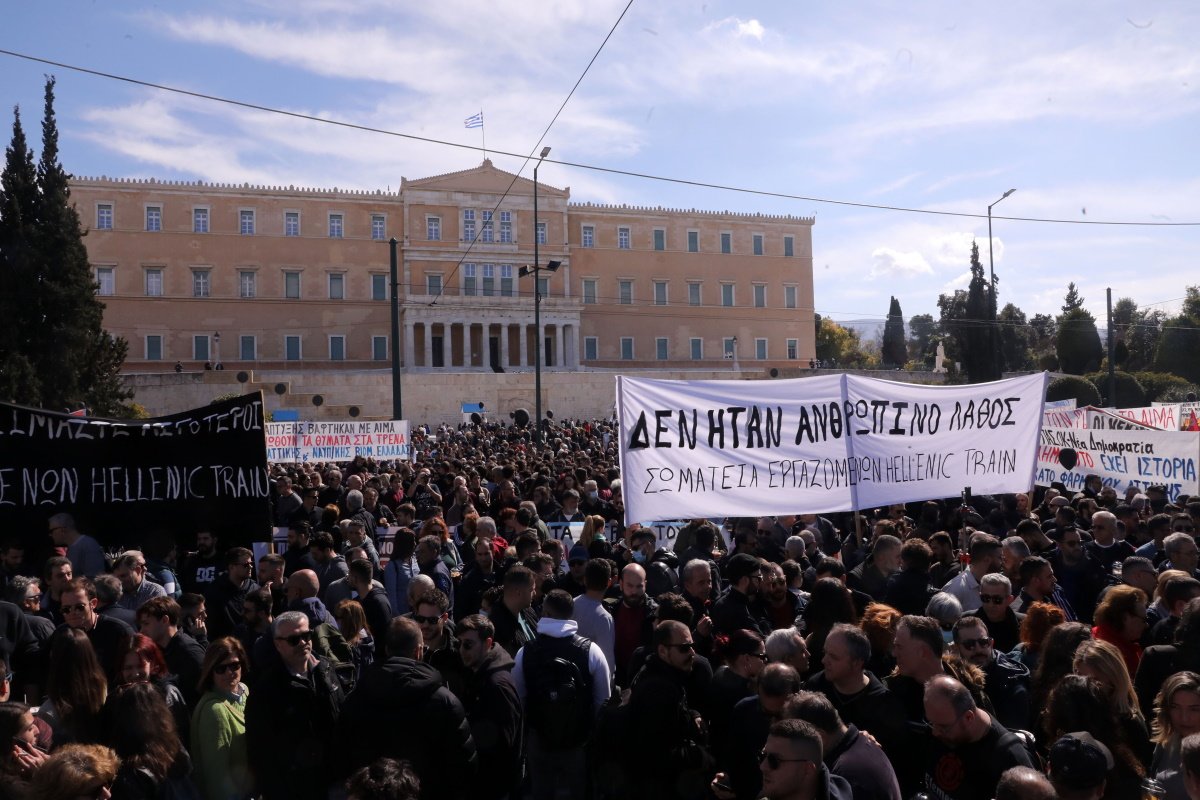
(493, 710)
(875, 710)
(616, 607)
(732, 613)
(1007, 633)
(289, 726)
(469, 597)
(864, 766)
(1007, 686)
(400, 709)
(509, 634)
(184, 657)
(224, 601)
(908, 591)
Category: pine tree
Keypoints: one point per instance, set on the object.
(1078, 344)
(19, 381)
(894, 352)
(978, 355)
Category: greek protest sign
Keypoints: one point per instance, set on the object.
(822, 444)
(1092, 418)
(300, 442)
(1120, 458)
(203, 469)
(1060, 405)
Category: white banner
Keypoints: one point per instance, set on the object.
(299, 442)
(1092, 418)
(1060, 405)
(822, 444)
(1120, 458)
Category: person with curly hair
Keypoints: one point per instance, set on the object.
(76, 771)
(1176, 717)
(879, 624)
(1079, 704)
(1121, 620)
(1040, 618)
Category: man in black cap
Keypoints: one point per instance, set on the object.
(732, 612)
(1079, 767)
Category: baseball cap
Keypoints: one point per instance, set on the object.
(1078, 761)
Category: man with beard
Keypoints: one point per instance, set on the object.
(1080, 576)
(733, 611)
(201, 567)
(775, 603)
(493, 708)
(1007, 680)
(633, 619)
(481, 576)
(995, 592)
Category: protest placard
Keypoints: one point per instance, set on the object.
(1092, 418)
(821, 444)
(1120, 458)
(301, 442)
(204, 469)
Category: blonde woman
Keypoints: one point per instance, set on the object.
(1176, 716)
(1102, 662)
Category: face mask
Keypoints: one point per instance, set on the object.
(593, 495)
(948, 637)
(639, 556)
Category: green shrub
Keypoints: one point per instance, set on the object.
(1157, 384)
(1069, 387)
(1130, 393)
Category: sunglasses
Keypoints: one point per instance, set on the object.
(760, 656)
(971, 644)
(420, 620)
(775, 761)
(296, 638)
(232, 666)
(76, 608)
(686, 647)
(996, 599)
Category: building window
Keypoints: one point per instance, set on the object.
(247, 284)
(543, 287)
(760, 295)
(589, 291)
(469, 279)
(106, 281)
(697, 349)
(247, 348)
(789, 246)
(337, 286)
(379, 285)
(726, 242)
(378, 227)
(660, 293)
(104, 216)
(291, 223)
(760, 349)
(154, 347)
(291, 348)
(379, 348)
(625, 292)
(246, 222)
(433, 284)
(623, 238)
(201, 283)
(693, 241)
(468, 225)
(291, 285)
(693, 294)
(789, 297)
(727, 294)
(758, 244)
(154, 218)
(729, 345)
(660, 348)
(200, 347)
(199, 220)
(487, 234)
(433, 229)
(793, 349)
(154, 283)
(506, 234)
(627, 348)
(591, 347)
(589, 236)
(337, 348)
(506, 280)
(489, 280)
(336, 227)
(660, 239)
(541, 233)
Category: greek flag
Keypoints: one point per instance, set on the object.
(474, 121)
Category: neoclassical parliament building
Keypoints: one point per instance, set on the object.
(273, 277)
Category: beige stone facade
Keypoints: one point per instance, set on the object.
(294, 278)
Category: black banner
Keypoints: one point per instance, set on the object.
(204, 469)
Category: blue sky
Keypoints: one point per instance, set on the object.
(1090, 111)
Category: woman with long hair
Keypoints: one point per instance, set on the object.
(879, 622)
(139, 660)
(828, 604)
(219, 724)
(352, 622)
(76, 689)
(21, 757)
(1040, 619)
(77, 771)
(1176, 716)
(1102, 663)
(1161, 661)
(1078, 704)
(142, 732)
(1121, 620)
(744, 654)
(436, 526)
(1057, 659)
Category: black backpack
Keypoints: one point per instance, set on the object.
(558, 690)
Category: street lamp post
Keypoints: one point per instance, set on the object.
(537, 306)
(997, 369)
(217, 349)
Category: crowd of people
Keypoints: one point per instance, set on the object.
(1042, 645)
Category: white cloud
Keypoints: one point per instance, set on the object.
(888, 262)
(752, 28)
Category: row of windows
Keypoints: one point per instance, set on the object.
(247, 221)
(204, 348)
(487, 231)
(695, 296)
(247, 283)
(625, 240)
(662, 348)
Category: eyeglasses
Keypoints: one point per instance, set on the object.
(971, 644)
(684, 647)
(232, 666)
(76, 608)
(296, 638)
(760, 656)
(997, 599)
(775, 761)
(420, 620)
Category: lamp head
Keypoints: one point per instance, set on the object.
(545, 151)
(552, 266)
(1006, 194)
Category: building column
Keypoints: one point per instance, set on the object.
(504, 331)
(524, 347)
(428, 346)
(410, 346)
(560, 346)
(572, 356)
(447, 353)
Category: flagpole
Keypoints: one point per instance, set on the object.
(483, 132)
